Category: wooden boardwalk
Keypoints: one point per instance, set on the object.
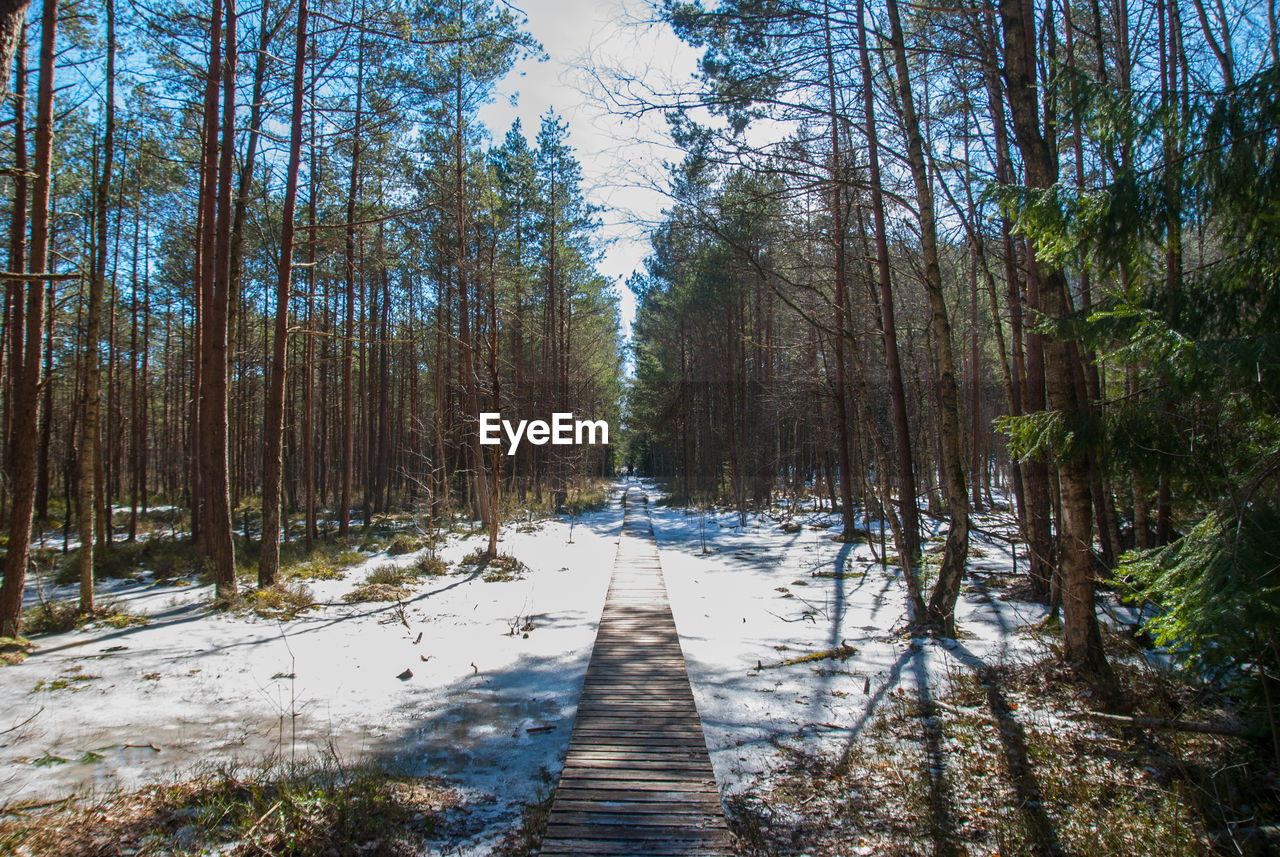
(637, 779)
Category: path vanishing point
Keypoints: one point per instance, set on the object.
(637, 779)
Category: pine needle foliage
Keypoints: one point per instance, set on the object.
(1219, 590)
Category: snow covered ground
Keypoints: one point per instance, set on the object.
(760, 597)
(488, 709)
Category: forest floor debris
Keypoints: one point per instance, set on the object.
(997, 764)
(321, 807)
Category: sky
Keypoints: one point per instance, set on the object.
(586, 42)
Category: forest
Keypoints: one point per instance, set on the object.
(979, 256)
(934, 286)
(191, 301)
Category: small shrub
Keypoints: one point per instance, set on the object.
(851, 536)
(479, 556)
(403, 544)
(430, 565)
(376, 592)
(389, 574)
(387, 582)
(372, 542)
(58, 617)
(118, 619)
(325, 561)
(503, 568)
(498, 569)
(316, 569)
(51, 617)
(283, 600)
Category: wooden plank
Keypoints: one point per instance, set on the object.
(638, 766)
(686, 740)
(675, 781)
(610, 799)
(664, 754)
(600, 738)
(624, 832)
(637, 808)
(632, 848)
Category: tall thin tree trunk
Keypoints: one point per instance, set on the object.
(16, 288)
(942, 603)
(27, 384)
(269, 559)
(1081, 633)
(471, 399)
(218, 545)
(909, 549)
(90, 403)
(838, 240)
(347, 465)
(206, 267)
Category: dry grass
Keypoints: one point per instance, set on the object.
(525, 839)
(58, 617)
(323, 808)
(498, 569)
(284, 600)
(14, 650)
(389, 582)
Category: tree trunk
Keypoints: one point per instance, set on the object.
(13, 21)
(16, 289)
(347, 466)
(90, 404)
(219, 548)
(838, 240)
(272, 462)
(909, 549)
(471, 401)
(942, 603)
(27, 384)
(1081, 634)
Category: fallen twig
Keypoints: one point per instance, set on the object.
(1165, 723)
(14, 810)
(23, 723)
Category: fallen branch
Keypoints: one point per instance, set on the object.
(1165, 723)
(842, 652)
(29, 807)
(23, 723)
(802, 618)
(249, 834)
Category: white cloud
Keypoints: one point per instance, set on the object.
(590, 46)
